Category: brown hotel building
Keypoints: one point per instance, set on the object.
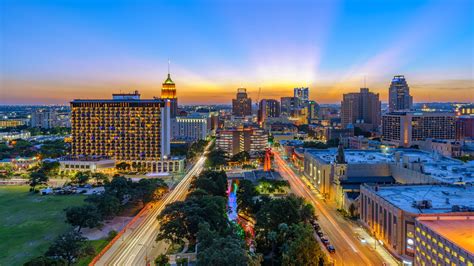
(126, 128)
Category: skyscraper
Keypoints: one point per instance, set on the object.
(268, 108)
(302, 94)
(242, 105)
(289, 105)
(313, 111)
(399, 98)
(168, 91)
(126, 128)
(362, 109)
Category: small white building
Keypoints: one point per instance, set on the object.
(89, 164)
(190, 128)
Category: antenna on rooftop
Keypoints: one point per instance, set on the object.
(169, 62)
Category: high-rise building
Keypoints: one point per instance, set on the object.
(410, 128)
(302, 94)
(125, 128)
(465, 127)
(399, 98)
(44, 118)
(242, 105)
(240, 139)
(362, 109)
(289, 105)
(168, 92)
(313, 112)
(191, 127)
(268, 108)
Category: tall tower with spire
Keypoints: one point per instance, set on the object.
(168, 92)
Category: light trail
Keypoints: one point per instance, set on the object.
(298, 186)
(133, 249)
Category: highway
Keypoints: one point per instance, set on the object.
(340, 232)
(138, 245)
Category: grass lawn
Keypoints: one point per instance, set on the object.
(29, 222)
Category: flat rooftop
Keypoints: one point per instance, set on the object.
(442, 168)
(442, 197)
(353, 156)
(459, 231)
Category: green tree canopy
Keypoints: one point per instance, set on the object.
(83, 216)
(68, 247)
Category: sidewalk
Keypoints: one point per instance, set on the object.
(374, 245)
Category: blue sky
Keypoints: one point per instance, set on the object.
(54, 51)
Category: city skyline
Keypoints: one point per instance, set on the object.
(55, 52)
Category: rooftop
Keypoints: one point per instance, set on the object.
(439, 167)
(353, 156)
(442, 168)
(442, 197)
(457, 229)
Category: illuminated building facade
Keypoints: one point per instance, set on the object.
(467, 109)
(242, 104)
(268, 108)
(125, 128)
(390, 212)
(302, 94)
(240, 139)
(399, 98)
(190, 128)
(168, 92)
(6, 123)
(444, 239)
(408, 128)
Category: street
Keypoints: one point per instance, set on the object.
(138, 245)
(340, 232)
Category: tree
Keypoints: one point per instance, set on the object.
(220, 250)
(245, 196)
(216, 158)
(100, 177)
(83, 216)
(107, 205)
(121, 188)
(38, 178)
(301, 247)
(214, 183)
(180, 220)
(147, 190)
(68, 247)
(123, 166)
(81, 178)
(240, 157)
(289, 210)
(162, 260)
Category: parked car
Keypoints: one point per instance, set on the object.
(325, 241)
(320, 233)
(331, 249)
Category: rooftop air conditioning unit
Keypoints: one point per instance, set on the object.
(422, 204)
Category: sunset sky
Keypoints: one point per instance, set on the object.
(54, 51)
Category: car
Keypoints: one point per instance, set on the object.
(316, 226)
(331, 249)
(325, 241)
(319, 233)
